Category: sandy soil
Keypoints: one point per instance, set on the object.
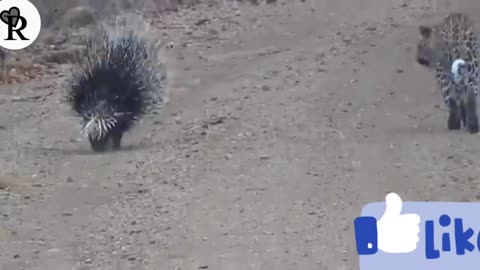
(283, 122)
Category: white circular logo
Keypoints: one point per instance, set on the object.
(20, 24)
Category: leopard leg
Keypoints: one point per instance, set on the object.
(463, 114)
(454, 115)
(450, 98)
(471, 118)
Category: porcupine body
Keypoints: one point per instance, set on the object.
(117, 81)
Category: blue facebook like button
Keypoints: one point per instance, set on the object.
(366, 235)
(418, 235)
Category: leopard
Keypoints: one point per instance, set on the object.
(451, 49)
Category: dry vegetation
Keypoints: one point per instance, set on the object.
(58, 44)
(50, 9)
(63, 23)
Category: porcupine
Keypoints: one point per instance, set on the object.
(118, 79)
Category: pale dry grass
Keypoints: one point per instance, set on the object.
(51, 10)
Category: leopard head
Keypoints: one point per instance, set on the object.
(427, 47)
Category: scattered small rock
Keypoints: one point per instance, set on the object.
(142, 191)
(202, 22)
(216, 120)
(62, 56)
(77, 17)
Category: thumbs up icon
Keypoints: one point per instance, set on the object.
(393, 233)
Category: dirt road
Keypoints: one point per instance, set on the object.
(274, 138)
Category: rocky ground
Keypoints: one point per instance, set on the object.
(283, 121)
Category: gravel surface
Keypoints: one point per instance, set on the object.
(283, 121)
